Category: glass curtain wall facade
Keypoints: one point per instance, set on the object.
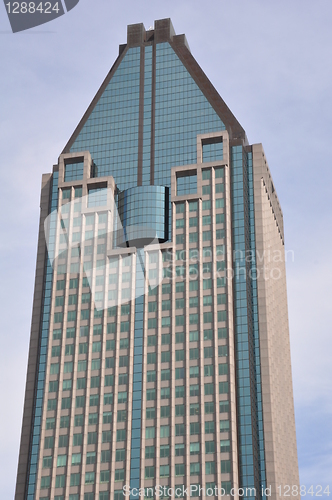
(145, 360)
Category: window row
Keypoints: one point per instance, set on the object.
(206, 236)
(90, 458)
(194, 409)
(193, 353)
(83, 347)
(180, 469)
(75, 479)
(150, 433)
(180, 373)
(194, 336)
(206, 204)
(206, 221)
(165, 393)
(180, 320)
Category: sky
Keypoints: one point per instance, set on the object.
(271, 63)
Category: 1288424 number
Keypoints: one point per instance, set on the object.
(294, 491)
(32, 7)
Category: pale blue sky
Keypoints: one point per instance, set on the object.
(271, 63)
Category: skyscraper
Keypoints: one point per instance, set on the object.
(159, 353)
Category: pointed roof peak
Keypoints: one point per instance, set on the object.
(163, 31)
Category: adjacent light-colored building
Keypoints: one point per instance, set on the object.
(159, 354)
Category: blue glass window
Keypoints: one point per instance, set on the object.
(74, 171)
(212, 149)
(186, 185)
(111, 131)
(143, 213)
(97, 197)
(182, 112)
(147, 116)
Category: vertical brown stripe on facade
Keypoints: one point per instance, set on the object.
(153, 106)
(140, 119)
(29, 403)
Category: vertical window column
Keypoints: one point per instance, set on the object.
(255, 324)
(147, 116)
(137, 374)
(246, 377)
(41, 371)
